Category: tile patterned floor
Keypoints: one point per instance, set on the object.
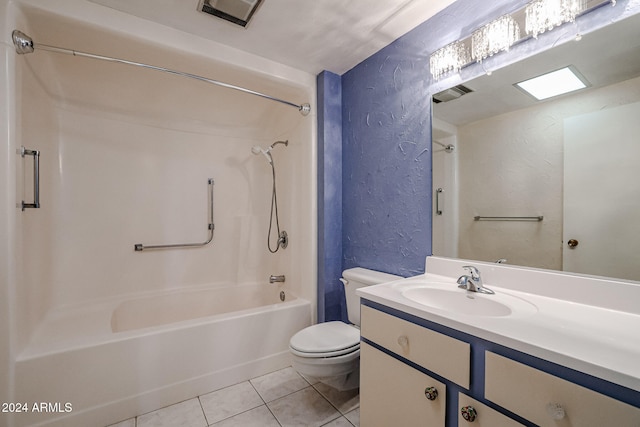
(281, 398)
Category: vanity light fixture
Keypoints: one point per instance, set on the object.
(555, 83)
(496, 36)
(499, 35)
(544, 15)
(449, 58)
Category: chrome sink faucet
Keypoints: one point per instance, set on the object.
(472, 281)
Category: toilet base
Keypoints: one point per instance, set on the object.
(343, 382)
(343, 377)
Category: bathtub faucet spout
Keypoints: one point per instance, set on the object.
(275, 279)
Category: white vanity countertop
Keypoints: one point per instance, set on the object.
(600, 341)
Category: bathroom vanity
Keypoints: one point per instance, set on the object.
(547, 349)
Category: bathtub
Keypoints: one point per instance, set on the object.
(186, 305)
(115, 359)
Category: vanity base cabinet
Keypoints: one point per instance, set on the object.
(548, 400)
(393, 393)
(502, 390)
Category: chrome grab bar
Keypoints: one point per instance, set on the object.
(36, 177)
(140, 247)
(508, 218)
(438, 192)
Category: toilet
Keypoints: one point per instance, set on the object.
(330, 351)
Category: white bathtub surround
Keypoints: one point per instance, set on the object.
(280, 398)
(125, 158)
(585, 323)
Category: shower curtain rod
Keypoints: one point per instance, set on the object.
(25, 44)
(448, 148)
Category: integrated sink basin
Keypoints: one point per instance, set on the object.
(468, 303)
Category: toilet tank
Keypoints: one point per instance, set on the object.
(358, 277)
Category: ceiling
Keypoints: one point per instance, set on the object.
(309, 35)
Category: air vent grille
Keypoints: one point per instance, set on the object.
(451, 94)
(238, 12)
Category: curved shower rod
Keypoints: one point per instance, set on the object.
(25, 44)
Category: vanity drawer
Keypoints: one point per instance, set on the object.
(486, 416)
(439, 353)
(531, 394)
(393, 393)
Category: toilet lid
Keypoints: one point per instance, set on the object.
(326, 338)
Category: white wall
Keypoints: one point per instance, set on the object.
(8, 228)
(512, 164)
(126, 154)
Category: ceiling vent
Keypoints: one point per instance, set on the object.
(238, 12)
(451, 94)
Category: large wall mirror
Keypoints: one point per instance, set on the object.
(552, 184)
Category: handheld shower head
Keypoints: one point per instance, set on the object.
(256, 149)
(286, 144)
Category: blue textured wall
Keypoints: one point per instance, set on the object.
(330, 289)
(386, 173)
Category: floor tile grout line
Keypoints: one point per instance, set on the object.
(294, 392)
(240, 413)
(309, 386)
(265, 402)
(267, 405)
(164, 407)
(340, 414)
(333, 419)
(284, 395)
(336, 408)
(273, 415)
(256, 390)
(206, 420)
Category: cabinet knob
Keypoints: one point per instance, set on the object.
(403, 341)
(469, 413)
(555, 411)
(431, 393)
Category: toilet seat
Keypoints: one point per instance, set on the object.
(330, 339)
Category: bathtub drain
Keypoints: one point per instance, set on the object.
(282, 296)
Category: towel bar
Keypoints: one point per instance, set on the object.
(508, 218)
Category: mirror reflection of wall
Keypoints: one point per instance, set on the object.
(511, 163)
(445, 183)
